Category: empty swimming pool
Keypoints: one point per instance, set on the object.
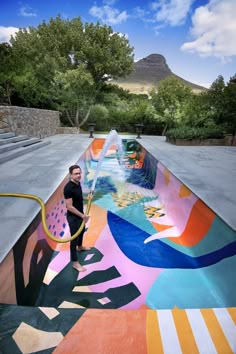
(154, 244)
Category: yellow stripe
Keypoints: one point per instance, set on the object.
(232, 312)
(215, 331)
(153, 335)
(184, 331)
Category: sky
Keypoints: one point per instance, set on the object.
(197, 37)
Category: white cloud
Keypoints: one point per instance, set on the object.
(108, 15)
(27, 11)
(172, 12)
(139, 12)
(6, 32)
(214, 30)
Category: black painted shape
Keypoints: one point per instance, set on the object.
(12, 316)
(28, 295)
(97, 256)
(118, 297)
(99, 276)
(60, 288)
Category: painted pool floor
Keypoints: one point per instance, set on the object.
(68, 286)
(62, 330)
(70, 318)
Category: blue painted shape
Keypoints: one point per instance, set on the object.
(145, 176)
(213, 286)
(103, 185)
(131, 239)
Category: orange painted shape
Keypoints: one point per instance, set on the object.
(7, 280)
(184, 331)
(98, 220)
(199, 223)
(132, 156)
(232, 312)
(167, 176)
(106, 332)
(59, 246)
(154, 342)
(184, 192)
(96, 148)
(160, 227)
(97, 144)
(144, 307)
(217, 335)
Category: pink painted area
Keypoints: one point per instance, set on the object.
(177, 208)
(107, 284)
(142, 277)
(60, 261)
(41, 233)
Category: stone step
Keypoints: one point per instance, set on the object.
(9, 155)
(14, 139)
(13, 146)
(6, 135)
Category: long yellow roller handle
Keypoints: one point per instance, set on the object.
(43, 214)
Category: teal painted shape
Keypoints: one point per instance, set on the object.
(106, 202)
(213, 286)
(219, 235)
(135, 215)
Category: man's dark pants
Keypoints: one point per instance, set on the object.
(74, 225)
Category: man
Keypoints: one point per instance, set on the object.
(75, 214)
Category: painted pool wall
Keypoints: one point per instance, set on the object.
(206, 275)
(190, 224)
(23, 269)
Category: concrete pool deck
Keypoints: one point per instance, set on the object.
(209, 171)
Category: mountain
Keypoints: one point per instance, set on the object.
(148, 72)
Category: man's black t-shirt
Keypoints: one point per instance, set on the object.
(74, 191)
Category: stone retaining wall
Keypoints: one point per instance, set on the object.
(68, 130)
(29, 121)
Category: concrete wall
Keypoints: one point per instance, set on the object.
(29, 121)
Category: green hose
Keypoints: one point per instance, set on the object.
(43, 214)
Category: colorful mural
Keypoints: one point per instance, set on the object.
(156, 248)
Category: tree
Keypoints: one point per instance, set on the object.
(65, 45)
(99, 115)
(168, 100)
(6, 73)
(197, 111)
(215, 97)
(74, 93)
(220, 105)
(229, 107)
(106, 54)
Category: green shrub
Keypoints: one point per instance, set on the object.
(195, 133)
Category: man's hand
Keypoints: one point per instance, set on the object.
(90, 195)
(86, 218)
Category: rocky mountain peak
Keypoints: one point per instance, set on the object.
(148, 72)
(153, 60)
